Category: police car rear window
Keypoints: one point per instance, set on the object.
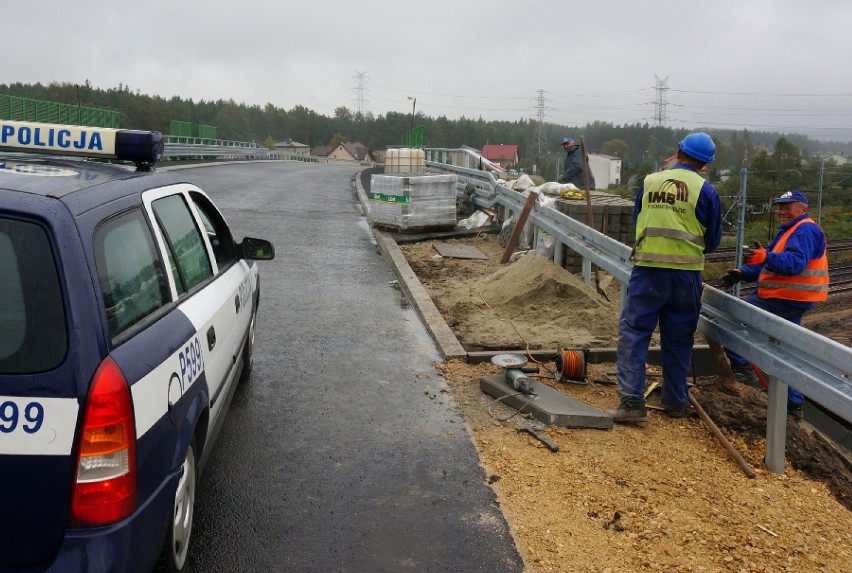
(32, 314)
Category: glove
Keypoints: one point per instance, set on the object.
(755, 255)
(732, 277)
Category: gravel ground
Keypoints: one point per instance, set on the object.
(664, 496)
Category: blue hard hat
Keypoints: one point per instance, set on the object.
(567, 140)
(791, 197)
(699, 146)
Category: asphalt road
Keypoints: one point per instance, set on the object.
(343, 452)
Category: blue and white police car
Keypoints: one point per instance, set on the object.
(127, 319)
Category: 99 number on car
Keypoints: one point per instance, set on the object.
(10, 417)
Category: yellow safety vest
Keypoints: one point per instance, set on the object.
(668, 234)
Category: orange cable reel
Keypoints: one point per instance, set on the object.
(571, 365)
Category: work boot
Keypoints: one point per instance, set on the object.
(676, 413)
(655, 402)
(745, 374)
(796, 412)
(630, 411)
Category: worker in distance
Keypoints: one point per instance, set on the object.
(572, 169)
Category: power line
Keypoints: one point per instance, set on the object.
(660, 105)
(762, 94)
(360, 102)
(540, 140)
(686, 109)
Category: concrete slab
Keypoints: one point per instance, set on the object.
(550, 406)
(460, 252)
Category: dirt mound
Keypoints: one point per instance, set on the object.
(529, 303)
(533, 281)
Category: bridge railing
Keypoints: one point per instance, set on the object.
(198, 148)
(791, 355)
(181, 147)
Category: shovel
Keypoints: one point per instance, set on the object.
(589, 205)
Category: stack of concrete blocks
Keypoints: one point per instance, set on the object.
(612, 216)
(417, 202)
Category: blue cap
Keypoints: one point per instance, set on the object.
(791, 197)
(567, 140)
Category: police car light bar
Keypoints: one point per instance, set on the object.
(142, 147)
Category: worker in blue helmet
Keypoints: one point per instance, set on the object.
(678, 220)
(572, 169)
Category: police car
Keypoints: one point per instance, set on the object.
(127, 319)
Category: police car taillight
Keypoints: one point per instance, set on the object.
(105, 488)
(142, 147)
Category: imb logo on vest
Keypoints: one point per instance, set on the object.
(671, 191)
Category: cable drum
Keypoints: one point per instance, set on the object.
(571, 366)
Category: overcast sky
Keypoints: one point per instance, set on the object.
(759, 64)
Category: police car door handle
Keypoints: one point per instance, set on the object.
(211, 338)
(237, 303)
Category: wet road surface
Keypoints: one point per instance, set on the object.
(343, 452)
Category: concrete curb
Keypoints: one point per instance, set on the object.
(447, 343)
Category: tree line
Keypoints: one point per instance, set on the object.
(775, 161)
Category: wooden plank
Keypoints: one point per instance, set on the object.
(519, 227)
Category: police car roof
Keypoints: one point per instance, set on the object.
(57, 177)
(60, 178)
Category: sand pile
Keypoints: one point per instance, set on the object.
(532, 280)
(532, 295)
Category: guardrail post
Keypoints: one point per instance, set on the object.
(776, 425)
(587, 271)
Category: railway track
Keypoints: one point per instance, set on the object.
(840, 273)
(835, 247)
(840, 280)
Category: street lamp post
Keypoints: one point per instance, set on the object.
(413, 107)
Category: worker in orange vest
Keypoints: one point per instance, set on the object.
(791, 274)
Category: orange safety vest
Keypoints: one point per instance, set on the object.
(810, 285)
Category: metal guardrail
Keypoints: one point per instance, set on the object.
(817, 366)
(179, 147)
(196, 147)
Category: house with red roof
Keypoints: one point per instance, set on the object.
(502, 154)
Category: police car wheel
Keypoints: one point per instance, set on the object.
(248, 352)
(176, 547)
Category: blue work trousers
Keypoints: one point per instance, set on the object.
(785, 311)
(671, 298)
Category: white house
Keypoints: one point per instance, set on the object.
(606, 169)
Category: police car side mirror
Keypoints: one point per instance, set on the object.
(256, 249)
